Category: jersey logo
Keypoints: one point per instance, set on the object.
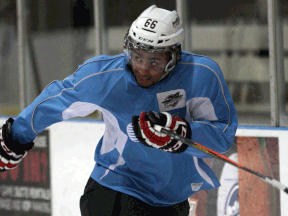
(171, 100)
(196, 186)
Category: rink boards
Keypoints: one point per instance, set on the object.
(51, 179)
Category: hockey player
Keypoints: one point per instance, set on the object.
(138, 171)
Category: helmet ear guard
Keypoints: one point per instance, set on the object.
(175, 56)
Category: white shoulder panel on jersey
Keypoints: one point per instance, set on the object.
(200, 108)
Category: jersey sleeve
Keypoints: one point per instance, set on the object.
(210, 110)
(85, 85)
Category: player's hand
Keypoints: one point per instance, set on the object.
(145, 132)
(11, 151)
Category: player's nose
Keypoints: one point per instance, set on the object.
(144, 70)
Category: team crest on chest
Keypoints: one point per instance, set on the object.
(170, 100)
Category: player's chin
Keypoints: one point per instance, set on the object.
(145, 84)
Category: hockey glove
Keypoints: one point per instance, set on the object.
(11, 151)
(145, 132)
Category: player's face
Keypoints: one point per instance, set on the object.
(148, 67)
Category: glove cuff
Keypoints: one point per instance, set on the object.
(189, 131)
(188, 136)
(14, 145)
(173, 146)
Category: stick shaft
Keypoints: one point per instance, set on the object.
(210, 152)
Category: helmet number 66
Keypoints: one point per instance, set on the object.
(150, 23)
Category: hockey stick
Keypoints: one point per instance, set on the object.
(208, 151)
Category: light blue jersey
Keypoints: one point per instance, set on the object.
(195, 90)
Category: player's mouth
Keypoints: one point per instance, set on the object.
(144, 81)
(144, 78)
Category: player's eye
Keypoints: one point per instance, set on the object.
(137, 58)
(153, 63)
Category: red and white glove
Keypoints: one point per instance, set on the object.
(11, 151)
(144, 129)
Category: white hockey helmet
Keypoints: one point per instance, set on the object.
(156, 30)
